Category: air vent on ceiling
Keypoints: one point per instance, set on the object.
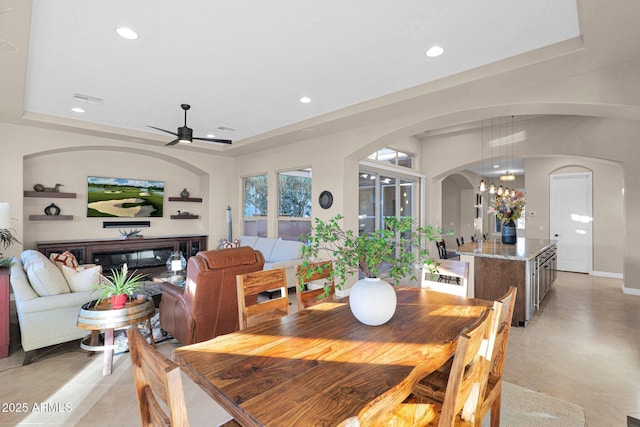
(86, 98)
(225, 129)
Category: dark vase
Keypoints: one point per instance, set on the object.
(509, 233)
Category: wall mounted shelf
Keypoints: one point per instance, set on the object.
(50, 217)
(50, 194)
(185, 216)
(186, 199)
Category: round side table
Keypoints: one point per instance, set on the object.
(103, 317)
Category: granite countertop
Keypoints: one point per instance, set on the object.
(523, 250)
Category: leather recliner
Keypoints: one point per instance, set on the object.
(207, 306)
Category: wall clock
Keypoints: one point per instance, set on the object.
(325, 199)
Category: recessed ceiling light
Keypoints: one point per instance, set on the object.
(77, 110)
(127, 33)
(210, 135)
(435, 51)
(305, 100)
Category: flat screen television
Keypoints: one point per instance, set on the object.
(124, 198)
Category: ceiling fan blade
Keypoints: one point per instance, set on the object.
(174, 142)
(221, 141)
(162, 130)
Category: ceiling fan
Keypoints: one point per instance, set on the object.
(185, 134)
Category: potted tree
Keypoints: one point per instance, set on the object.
(392, 252)
(119, 286)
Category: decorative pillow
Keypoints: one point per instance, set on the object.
(227, 244)
(248, 240)
(66, 258)
(285, 250)
(82, 280)
(45, 278)
(31, 256)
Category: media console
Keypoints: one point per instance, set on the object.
(147, 254)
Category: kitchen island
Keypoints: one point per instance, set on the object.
(529, 265)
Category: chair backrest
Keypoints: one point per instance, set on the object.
(508, 301)
(313, 278)
(156, 378)
(250, 285)
(451, 269)
(442, 249)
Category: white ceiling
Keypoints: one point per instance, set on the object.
(245, 64)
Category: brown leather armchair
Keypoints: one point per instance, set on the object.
(208, 304)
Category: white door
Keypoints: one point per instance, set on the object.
(570, 204)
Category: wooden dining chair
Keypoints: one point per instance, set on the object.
(434, 385)
(251, 284)
(467, 379)
(311, 284)
(450, 276)
(156, 378)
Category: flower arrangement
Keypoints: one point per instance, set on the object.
(508, 208)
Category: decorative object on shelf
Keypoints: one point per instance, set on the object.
(184, 194)
(508, 209)
(119, 286)
(229, 233)
(6, 238)
(391, 252)
(40, 187)
(325, 199)
(52, 209)
(185, 213)
(176, 264)
(131, 234)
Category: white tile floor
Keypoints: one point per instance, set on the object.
(583, 346)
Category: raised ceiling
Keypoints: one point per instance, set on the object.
(244, 65)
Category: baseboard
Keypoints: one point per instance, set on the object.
(607, 274)
(630, 291)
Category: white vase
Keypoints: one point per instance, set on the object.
(372, 301)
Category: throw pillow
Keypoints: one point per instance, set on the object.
(65, 258)
(82, 280)
(45, 278)
(227, 244)
(31, 256)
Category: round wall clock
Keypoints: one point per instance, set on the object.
(325, 199)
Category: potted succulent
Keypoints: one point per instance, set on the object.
(119, 286)
(392, 252)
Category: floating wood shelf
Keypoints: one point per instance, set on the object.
(186, 199)
(185, 216)
(50, 217)
(50, 194)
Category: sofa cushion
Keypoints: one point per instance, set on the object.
(248, 240)
(82, 280)
(285, 250)
(66, 258)
(265, 245)
(45, 278)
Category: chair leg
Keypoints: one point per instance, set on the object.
(495, 411)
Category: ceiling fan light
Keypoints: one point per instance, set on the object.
(184, 141)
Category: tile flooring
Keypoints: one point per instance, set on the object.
(582, 346)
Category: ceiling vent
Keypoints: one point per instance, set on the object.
(225, 129)
(86, 98)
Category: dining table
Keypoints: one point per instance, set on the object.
(320, 366)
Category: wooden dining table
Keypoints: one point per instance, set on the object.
(320, 366)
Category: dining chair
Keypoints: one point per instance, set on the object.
(313, 278)
(156, 378)
(434, 385)
(443, 253)
(461, 405)
(452, 277)
(252, 284)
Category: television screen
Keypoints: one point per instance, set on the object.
(124, 198)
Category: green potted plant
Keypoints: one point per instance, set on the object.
(392, 252)
(6, 240)
(119, 286)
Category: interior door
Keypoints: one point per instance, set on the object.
(571, 220)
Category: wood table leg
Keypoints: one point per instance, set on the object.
(153, 341)
(94, 341)
(108, 352)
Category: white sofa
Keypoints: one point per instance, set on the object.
(48, 309)
(277, 253)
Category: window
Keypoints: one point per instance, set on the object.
(294, 204)
(255, 205)
(389, 155)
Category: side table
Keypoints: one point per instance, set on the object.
(102, 317)
(5, 337)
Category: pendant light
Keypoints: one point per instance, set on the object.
(509, 176)
(482, 187)
(492, 187)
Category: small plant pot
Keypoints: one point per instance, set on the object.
(118, 301)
